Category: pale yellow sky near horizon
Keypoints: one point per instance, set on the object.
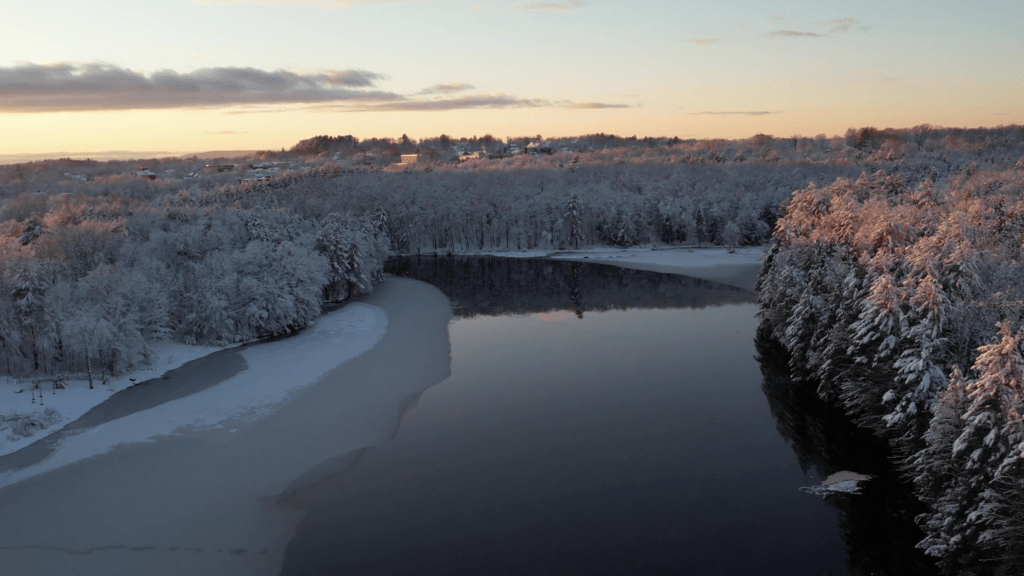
(190, 75)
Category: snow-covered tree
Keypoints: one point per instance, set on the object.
(573, 218)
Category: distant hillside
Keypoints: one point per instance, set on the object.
(118, 155)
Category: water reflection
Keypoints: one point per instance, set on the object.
(606, 421)
(876, 525)
(489, 285)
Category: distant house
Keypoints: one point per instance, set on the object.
(144, 173)
(409, 158)
(79, 177)
(228, 167)
(538, 148)
(260, 175)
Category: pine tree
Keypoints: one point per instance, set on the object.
(573, 217)
(990, 447)
(937, 478)
(919, 366)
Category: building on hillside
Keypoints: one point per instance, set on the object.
(409, 159)
(539, 148)
(145, 173)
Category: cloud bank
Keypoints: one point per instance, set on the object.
(69, 87)
(100, 87)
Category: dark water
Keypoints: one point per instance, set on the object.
(596, 421)
(877, 525)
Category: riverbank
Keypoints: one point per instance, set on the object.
(118, 500)
(717, 264)
(347, 332)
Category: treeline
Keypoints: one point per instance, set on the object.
(549, 207)
(918, 152)
(97, 262)
(903, 302)
(89, 283)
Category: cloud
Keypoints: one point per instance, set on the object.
(351, 78)
(793, 34)
(70, 87)
(702, 41)
(842, 24)
(459, 103)
(743, 113)
(592, 105)
(97, 87)
(550, 5)
(469, 102)
(450, 88)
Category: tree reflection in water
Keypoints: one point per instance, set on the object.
(877, 525)
(482, 285)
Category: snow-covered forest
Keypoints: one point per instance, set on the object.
(100, 259)
(901, 298)
(93, 281)
(895, 278)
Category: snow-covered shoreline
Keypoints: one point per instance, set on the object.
(77, 398)
(348, 332)
(718, 264)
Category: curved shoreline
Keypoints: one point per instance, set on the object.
(187, 367)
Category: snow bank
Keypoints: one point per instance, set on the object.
(209, 502)
(77, 398)
(275, 370)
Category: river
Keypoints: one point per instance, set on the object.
(524, 416)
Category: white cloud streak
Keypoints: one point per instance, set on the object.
(794, 34)
(450, 88)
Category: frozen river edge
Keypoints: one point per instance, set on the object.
(247, 533)
(81, 407)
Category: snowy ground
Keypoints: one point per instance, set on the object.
(209, 501)
(271, 376)
(78, 399)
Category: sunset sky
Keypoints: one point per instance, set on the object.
(196, 75)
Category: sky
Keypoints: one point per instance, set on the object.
(179, 76)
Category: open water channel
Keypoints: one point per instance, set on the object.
(557, 418)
